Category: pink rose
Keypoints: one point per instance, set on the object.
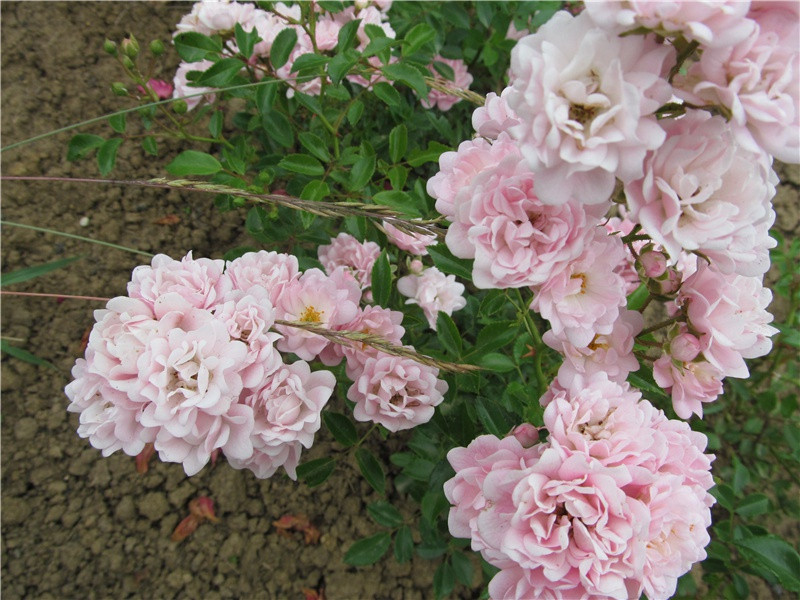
(414, 243)
(585, 99)
(182, 89)
(346, 251)
(461, 80)
(495, 116)
(271, 270)
(396, 392)
(691, 383)
(433, 292)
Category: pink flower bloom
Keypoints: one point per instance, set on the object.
(515, 239)
(711, 22)
(609, 353)
(314, 298)
(200, 282)
(702, 191)
(161, 88)
(586, 100)
(326, 33)
(183, 89)
(210, 16)
(434, 292)
(461, 79)
(414, 243)
(691, 383)
(584, 299)
(271, 270)
(346, 251)
(396, 392)
(456, 169)
(287, 413)
(757, 79)
(729, 313)
(495, 116)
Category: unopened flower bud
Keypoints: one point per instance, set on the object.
(157, 47)
(180, 107)
(684, 347)
(416, 266)
(128, 63)
(130, 47)
(119, 88)
(526, 434)
(653, 262)
(665, 286)
(110, 47)
(362, 4)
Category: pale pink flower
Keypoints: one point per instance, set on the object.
(713, 23)
(495, 116)
(160, 88)
(287, 413)
(210, 16)
(268, 25)
(627, 268)
(610, 353)
(516, 583)
(757, 79)
(314, 298)
(396, 392)
(271, 270)
(433, 292)
(586, 100)
(414, 243)
(456, 169)
(182, 87)
(690, 383)
(369, 15)
(326, 32)
(515, 239)
(584, 298)
(248, 317)
(461, 80)
(346, 251)
(729, 314)
(200, 282)
(702, 191)
(512, 33)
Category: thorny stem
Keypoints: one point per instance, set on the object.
(75, 237)
(321, 208)
(349, 337)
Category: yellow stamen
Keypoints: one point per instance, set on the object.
(311, 315)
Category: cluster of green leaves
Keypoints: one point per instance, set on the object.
(754, 429)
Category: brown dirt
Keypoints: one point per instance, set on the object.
(75, 524)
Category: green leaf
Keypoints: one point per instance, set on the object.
(315, 191)
(302, 163)
(403, 544)
(385, 514)
(82, 144)
(398, 141)
(315, 472)
(431, 154)
(355, 111)
(347, 35)
(340, 65)
(221, 73)
(377, 46)
(637, 298)
(400, 201)
(24, 355)
(150, 145)
(493, 417)
(28, 273)
(282, 47)
(310, 62)
(753, 505)
(444, 578)
(194, 47)
(444, 70)
(361, 172)
(278, 128)
(741, 476)
(499, 363)
(448, 334)
(462, 567)
(245, 40)
(265, 96)
(315, 145)
(369, 550)
(192, 162)
(724, 495)
(777, 556)
(381, 280)
(397, 176)
(447, 263)
(408, 75)
(415, 39)
(215, 123)
(387, 93)
(118, 122)
(341, 427)
(107, 155)
(371, 470)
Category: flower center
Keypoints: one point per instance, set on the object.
(582, 277)
(582, 113)
(311, 315)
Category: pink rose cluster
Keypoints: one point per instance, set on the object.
(614, 504)
(193, 362)
(211, 17)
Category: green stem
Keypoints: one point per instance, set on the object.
(366, 435)
(660, 325)
(76, 237)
